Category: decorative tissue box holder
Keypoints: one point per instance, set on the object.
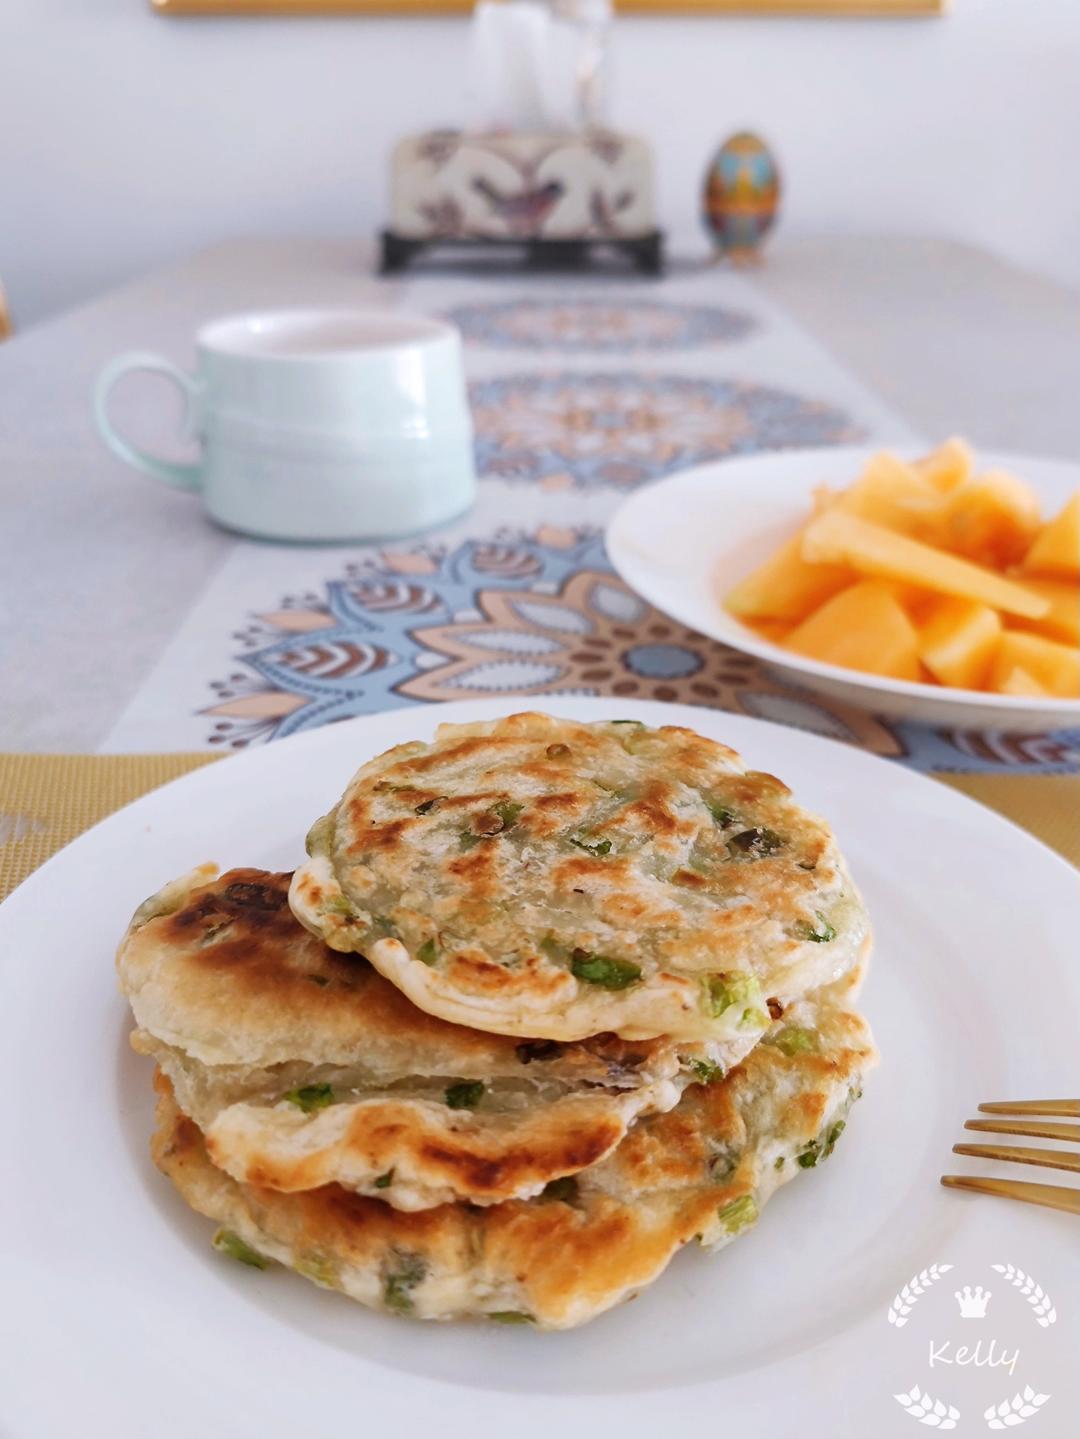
(562, 198)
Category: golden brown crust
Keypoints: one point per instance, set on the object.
(485, 873)
(431, 1155)
(327, 1073)
(703, 1170)
(224, 971)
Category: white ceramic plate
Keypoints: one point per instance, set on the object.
(684, 541)
(120, 1321)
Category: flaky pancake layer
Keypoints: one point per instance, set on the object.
(538, 877)
(703, 1171)
(304, 1066)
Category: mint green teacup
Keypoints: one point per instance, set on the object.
(317, 424)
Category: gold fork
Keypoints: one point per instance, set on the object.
(1052, 1196)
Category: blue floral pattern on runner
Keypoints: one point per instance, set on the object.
(594, 326)
(589, 430)
(532, 614)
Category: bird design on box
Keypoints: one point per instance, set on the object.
(741, 197)
(524, 211)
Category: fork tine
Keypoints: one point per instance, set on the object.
(1022, 1154)
(1068, 1107)
(1050, 1196)
(1035, 1128)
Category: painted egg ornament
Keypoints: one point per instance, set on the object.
(742, 196)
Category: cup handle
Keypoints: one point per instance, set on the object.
(180, 476)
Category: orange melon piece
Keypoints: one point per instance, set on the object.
(991, 519)
(917, 601)
(1019, 682)
(862, 628)
(823, 497)
(785, 587)
(1062, 621)
(1054, 666)
(958, 640)
(891, 493)
(772, 630)
(1056, 548)
(947, 467)
(835, 538)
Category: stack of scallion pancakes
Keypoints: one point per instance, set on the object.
(546, 1002)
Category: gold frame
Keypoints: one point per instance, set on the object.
(869, 9)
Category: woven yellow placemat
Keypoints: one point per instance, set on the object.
(46, 800)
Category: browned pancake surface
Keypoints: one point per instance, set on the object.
(701, 1171)
(536, 876)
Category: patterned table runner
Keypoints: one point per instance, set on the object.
(582, 390)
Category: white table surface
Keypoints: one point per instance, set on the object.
(947, 337)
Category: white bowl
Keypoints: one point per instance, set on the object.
(684, 541)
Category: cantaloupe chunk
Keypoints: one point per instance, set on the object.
(772, 630)
(891, 493)
(948, 466)
(914, 598)
(991, 519)
(1019, 682)
(862, 628)
(785, 587)
(957, 641)
(1062, 622)
(1054, 666)
(1056, 548)
(836, 538)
